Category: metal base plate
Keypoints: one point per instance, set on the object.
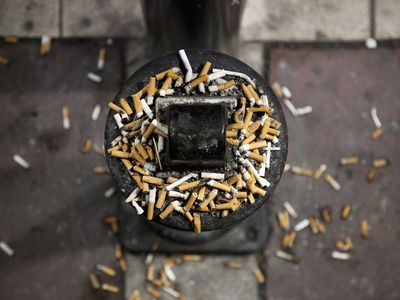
(137, 235)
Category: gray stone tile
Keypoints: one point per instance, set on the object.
(32, 18)
(283, 20)
(387, 19)
(253, 55)
(207, 279)
(103, 18)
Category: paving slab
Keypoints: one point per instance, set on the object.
(312, 20)
(52, 215)
(341, 85)
(387, 20)
(93, 18)
(206, 279)
(32, 18)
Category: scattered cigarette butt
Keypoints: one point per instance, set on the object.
(110, 288)
(371, 175)
(187, 65)
(4, 61)
(100, 170)
(288, 239)
(197, 223)
(277, 89)
(290, 210)
(332, 182)
(94, 281)
(321, 169)
(65, 115)
(286, 92)
(233, 265)
(301, 171)
(346, 211)
(135, 295)
(340, 255)
(123, 264)
(109, 192)
(94, 77)
(171, 291)
(375, 118)
(106, 270)
(45, 46)
(377, 133)
(96, 112)
(302, 224)
(344, 245)
(364, 229)
(87, 146)
(326, 215)
(259, 275)
(101, 59)
(6, 248)
(380, 163)
(21, 161)
(192, 257)
(347, 161)
(283, 220)
(154, 292)
(286, 256)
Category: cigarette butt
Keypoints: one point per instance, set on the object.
(150, 211)
(45, 46)
(277, 89)
(364, 229)
(118, 251)
(120, 154)
(219, 186)
(101, 59)
(65, 115)
(246, 120)
(115, 108)
(288, 239)
(264, 109)
(283, 220)
(249, 139)
(161, 198)
(318, 173)
(257, 157)
(198, 80)
(202, 193)
(123, 265)
(250, 196)
(10, 39)
(138, 106)
(165, 86)
(252, 128)
(142, 151)
(138, 180)
(231, 133)
(191, 257)
(154, 292)
(259, 275)
(153, 180)
(226, 85)
(167, 211)
(246, 92)
(371, 175)
(149, 131)
(238, 125)
(253, 92)
(135, 295)
(125, 106)
(110, 288)
(136, 156)
(286, 256)
(171, 179)
(326, 215)
(380, 163)
(346, 211)
(94, 281)
(377, 133)
(21, 162)
(347, 161)
(233, 265)
(96, 112)
(301, 171)
(206, 68)
(340, 255)
(100, 170)
(209, 198)
(189, 185)
(257, 190)
(107, 270)
(233, 142)
(197, 223)
(332, 182)
(344, 245)
(87, 146)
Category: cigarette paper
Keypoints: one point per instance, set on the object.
(96, 112)
(286, 92)
(290, 210)
(21, 161)
(375, 118)
(171, 291)
(259, 275)
(304, 110)
(216, 176)
(291, 107)
(347, 161)
(186, 63)
(94, 77)
(237, 74)
(180, 181)
(340, 255)
(302, 224)
(6, 248)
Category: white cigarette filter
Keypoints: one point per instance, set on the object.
(21, 161)
(302, 224)
(286, 92)
(139, 210)
(290, 210)
(96, 112)
(6, 248)
(375, 118)
(180, 181)
(94, 77)
(186, 63)
(146, 108)
(216, 176)
(340, 255)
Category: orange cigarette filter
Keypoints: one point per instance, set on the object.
(188, 186)
(197, 223)
(253, 92)
(167, 211)
(161, 198)
(153, 180)
(206, 68)
(191, 201)
(152, 87)
(247, 119)
(140, 170)
(137, 157)
(125, 106)
(115, 107)
(226, 85)
(246, 91)
(142, 151)
(166, 84)
(138, 105)
(233, 142)
(209, 198)
(120, 154)
(198, 80)
(202, 193)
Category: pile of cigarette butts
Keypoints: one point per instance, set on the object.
(252, 136)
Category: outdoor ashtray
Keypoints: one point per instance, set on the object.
(196, 141)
